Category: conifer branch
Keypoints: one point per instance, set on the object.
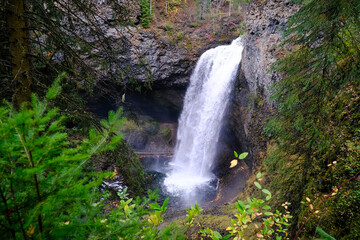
(17, 211)
(8, 212)
(30, 158)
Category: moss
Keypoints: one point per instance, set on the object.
(127, 166)
(167, 134)
(129, 125)
(151, 128)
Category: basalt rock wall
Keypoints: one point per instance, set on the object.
(165, 54)
(265, 21)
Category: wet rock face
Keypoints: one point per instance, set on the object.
(264, 22)
(140, 55)
(151, 58)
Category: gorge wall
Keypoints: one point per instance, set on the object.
(154, 55)
(165, 54)
(251, 105)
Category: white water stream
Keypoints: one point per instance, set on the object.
(206, 100)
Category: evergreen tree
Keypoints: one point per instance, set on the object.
(45, 192)
(43, 38)
(318, 104)
(146, 13)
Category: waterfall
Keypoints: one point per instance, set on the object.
(205, 103)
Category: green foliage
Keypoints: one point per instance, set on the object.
(323, 234)
(215, 235)
(45, 194)
(130, 125)
(318, 102)
(167, 133)
(180, 36)
(242, 156)
(51, 24)
(237, 3)
(169, 28)
(156, 215)
(136, 219)
(274, 224)
(146, 14)
(255, 212)
(192, 213)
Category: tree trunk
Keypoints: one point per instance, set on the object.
(150, 7)
(19, 51)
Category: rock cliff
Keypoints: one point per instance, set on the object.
(149, 57)
(264, 22)
(165, 54)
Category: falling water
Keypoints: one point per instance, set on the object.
(201, 120)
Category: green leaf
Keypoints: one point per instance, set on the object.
(227, 236)
(324, 234)
(257, 185)
(266, 191)
(164, 206)
(217, 234)
(236, 154)
(240, 205)
(258, 175)
(268, 197)
(154, 206)
(268, 214)
(266, 207)
(243, 155)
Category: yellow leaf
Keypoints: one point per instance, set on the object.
(308, 199)
(233, 163)
(311, 206)
(126, 208)
(67, 223)
(155, 219)
(259, 235)
(113, 174)
(31, 230)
